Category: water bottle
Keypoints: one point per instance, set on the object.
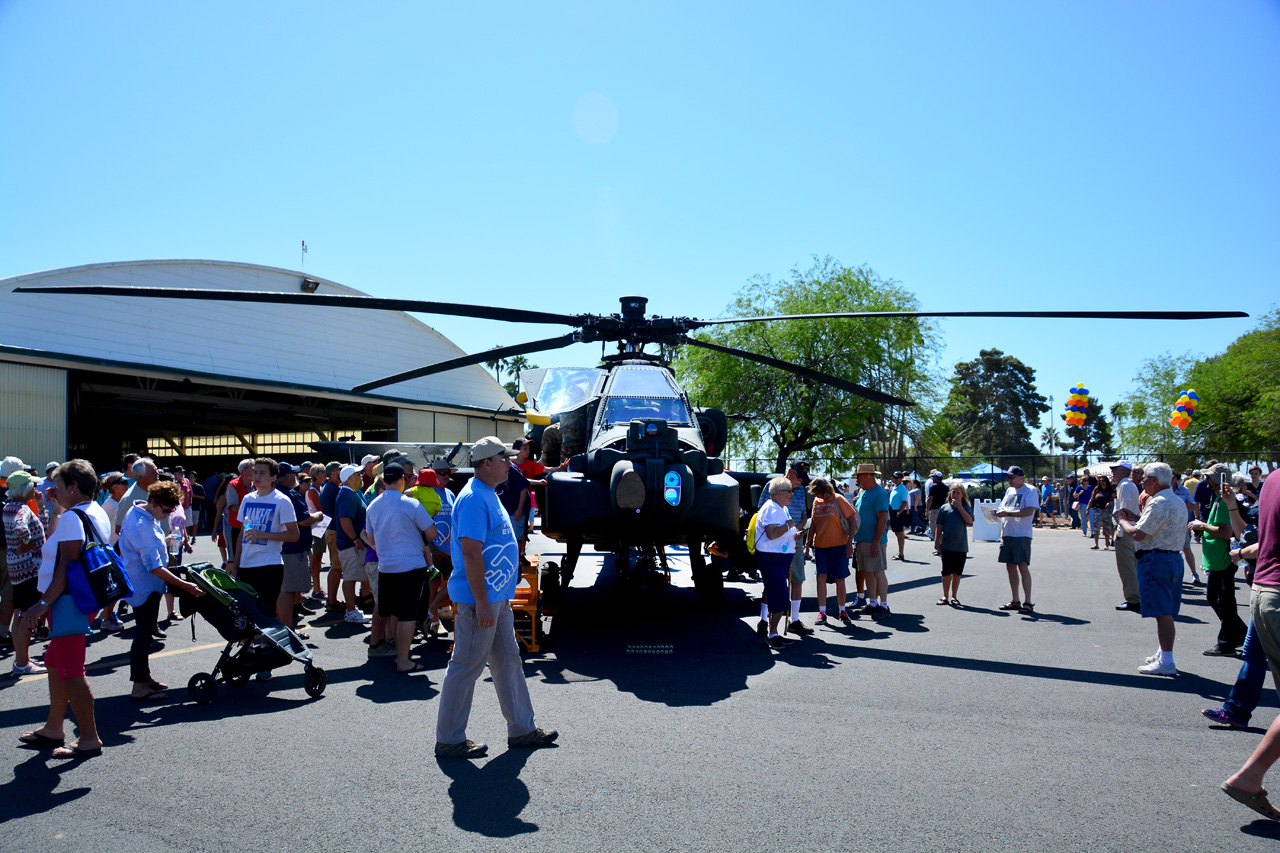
(248, 525)
(174, 546)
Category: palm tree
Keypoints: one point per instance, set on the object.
(497, 365)
(1119, 411)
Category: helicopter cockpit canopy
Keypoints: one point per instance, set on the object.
(563, 389)
(644, 392)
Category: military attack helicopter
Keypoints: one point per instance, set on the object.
(644, 471)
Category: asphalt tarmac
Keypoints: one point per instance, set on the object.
(933, 729)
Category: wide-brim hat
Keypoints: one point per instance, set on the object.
(488, 447)
(867, 468)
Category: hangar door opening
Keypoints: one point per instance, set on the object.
(206, 426)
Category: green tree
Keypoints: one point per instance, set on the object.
(994, 404)
(1240, 392)
(497, 365)
(514, 366)
(1094, 436)
(1158, 383)
(784, 414)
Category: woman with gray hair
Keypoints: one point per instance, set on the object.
(24, 537)
(776, 536)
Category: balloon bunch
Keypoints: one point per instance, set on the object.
(1077, 405)
(1180, 417)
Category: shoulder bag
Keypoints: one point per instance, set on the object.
(96, 579)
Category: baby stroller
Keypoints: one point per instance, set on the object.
(237, 612)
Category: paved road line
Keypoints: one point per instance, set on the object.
(103, 664)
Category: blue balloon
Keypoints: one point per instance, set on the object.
(1083, 392)
(1181, 409)
(1194, 396)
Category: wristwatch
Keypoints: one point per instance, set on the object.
(45, 603)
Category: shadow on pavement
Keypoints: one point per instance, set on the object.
(1262, 828)
(488, 799)
(1184, 683)
(34, 787)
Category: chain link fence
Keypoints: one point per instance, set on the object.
(1034, 467)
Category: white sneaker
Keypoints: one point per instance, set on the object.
(355, 617)
(32, 668)
(1157, 668)
(1152, 658)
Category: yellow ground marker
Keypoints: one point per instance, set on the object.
(102, 664)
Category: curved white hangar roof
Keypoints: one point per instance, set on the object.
(143, 333)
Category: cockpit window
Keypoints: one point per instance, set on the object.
(621, 410)
(566, 388)
(642, 382)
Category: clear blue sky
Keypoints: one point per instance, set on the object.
(558, 155)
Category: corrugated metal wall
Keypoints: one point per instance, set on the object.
(33, 413)
(412, 425)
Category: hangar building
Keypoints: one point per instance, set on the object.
(206, 383)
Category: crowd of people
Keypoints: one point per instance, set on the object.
(394, 535)
(1149, 514)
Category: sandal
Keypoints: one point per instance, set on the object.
(153, 696)
(40, 741)
(417, 667)
(941, 601)
(955, 602)
(1027, 608)
(75, 752)
(1012, 605)
(1258, 802)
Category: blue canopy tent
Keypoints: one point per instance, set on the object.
(982, 471)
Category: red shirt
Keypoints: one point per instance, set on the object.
(532, 469)
(242, 489)
(1267, 569)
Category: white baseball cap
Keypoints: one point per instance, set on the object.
(347, 472)
(489, 446)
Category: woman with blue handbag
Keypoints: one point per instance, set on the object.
(146, 562)
(75, 485)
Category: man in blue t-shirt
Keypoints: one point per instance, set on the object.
(898, 513)
(487, 562)
(870, 540)
(348, 517)
(328, 506)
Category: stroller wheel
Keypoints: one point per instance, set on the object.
(314, 681)
(202, 688)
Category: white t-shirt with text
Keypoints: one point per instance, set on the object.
(270, 513)
(1024, 497)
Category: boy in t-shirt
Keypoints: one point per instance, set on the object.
(268, 520)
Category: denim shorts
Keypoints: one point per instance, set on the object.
(832, 562)
(1160, 583)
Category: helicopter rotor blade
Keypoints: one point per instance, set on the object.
(1069, 315)
(468, 360)
(454, 309)
(813, 375)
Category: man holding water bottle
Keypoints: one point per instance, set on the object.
(269, 521)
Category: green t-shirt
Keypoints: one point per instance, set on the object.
(1216, 555)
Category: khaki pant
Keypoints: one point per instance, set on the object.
(331, 541)
(1264, 607)
(473, 647)
(1127, 567)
